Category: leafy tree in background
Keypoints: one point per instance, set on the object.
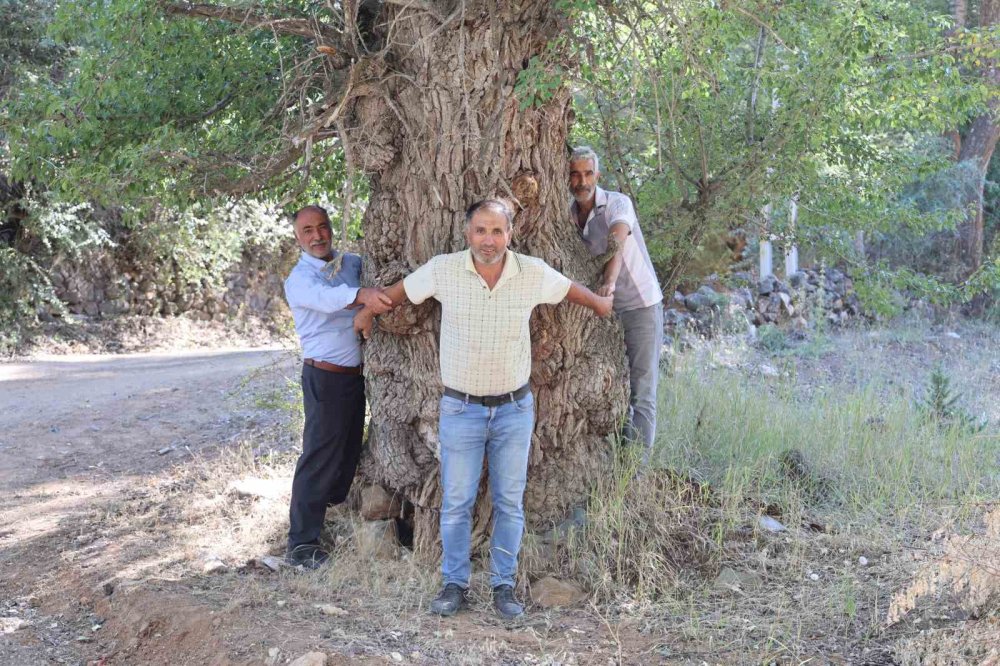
(706, 112)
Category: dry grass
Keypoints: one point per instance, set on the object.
(874, 482)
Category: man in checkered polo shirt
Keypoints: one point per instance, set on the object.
(487, 294)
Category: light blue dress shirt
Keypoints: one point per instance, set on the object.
(318, 301)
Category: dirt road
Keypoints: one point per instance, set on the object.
(75, 430)
(102, 416)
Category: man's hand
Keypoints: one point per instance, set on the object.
(607, 289)
(603, 304)
(363, 322)
(580, 295)
(374, 299)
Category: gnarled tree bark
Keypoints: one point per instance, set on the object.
(445, 129)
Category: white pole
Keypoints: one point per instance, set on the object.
(766, 251)
(791, 249)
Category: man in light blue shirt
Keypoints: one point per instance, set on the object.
(322, 291)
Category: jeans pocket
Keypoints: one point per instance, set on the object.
(452, 406)
(525, 404)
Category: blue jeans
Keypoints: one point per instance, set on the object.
(643, 342)
(503, 434)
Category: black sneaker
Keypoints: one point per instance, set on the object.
(308, 556)
(505, 603)
(449, 600)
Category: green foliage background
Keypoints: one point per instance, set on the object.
(124, 124)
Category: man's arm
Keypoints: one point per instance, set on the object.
(580, 295)
(315, 295)
(364, 319)
(619, 231)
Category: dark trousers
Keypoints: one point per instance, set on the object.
(331, 446)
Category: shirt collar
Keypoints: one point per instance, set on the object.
(511, 266)
(312, 261)
(600, 198)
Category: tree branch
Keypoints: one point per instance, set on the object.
(301, 26)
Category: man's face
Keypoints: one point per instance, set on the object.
(488, 235)
(312, 233)
(583, 180)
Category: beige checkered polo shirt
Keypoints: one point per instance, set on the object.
(485, 343)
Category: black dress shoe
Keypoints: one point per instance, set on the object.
(308, 556)
(449, 600)
(505, 603)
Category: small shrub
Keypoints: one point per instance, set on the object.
(940, 404)
(771, 338)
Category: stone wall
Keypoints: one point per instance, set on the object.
(745, 303)
(103, 285)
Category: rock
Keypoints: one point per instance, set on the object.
(550, 592)
(863, 561)
(768, 371)
(331, 610)
(310, 659)
(576, 521)
(770, 524)
(786, 301)
(396, 657)
(705, 298)
(259, 488)
(273, 657)
(377, 539)
(766, 285)
(273, 563)
(378, 504)
(742, 298)
(814, 576)
(676, 319)
(797, 279)
(214, 565)
(730, 579)
(9, 625)
(743, 278)
(695, 302)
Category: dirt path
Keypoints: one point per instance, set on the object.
(77, 430)
(103, 416)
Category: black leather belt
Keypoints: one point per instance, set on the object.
(489, 400)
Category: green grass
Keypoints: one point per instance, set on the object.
(880, 458)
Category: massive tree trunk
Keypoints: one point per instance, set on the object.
(439, 128)
(977, 147)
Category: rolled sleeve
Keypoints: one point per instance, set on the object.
(554, 285)
(620, 210)
(304, 292)
(419, 285)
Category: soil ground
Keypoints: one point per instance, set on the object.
(123, 541)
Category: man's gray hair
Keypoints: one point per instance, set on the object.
(312, 208)
(586, 153)
(496, 205)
